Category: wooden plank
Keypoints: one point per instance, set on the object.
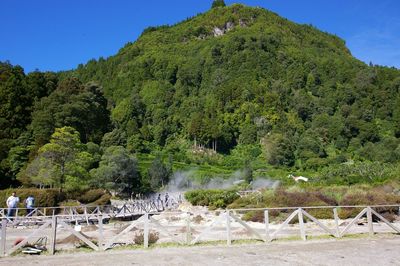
(228, 229)
(266, 221)
(248, 228)
(188, 231)
(208, 229)
(162, 228)
(86, 215)
(353, 222)
(285, 223)
(33, 234)
(301, 224)
(33, 212)
(40, 212)
(3, 237)
(315, 220)
(53, 237)
(146, 231)
(123, 232)
(385, 221)
(369, 220)
(79, 235)
(336, 217)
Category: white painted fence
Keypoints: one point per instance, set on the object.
(227, 226)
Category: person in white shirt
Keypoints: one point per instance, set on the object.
(29, 203)
(12, 204)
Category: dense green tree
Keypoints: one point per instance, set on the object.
(218, 3)
(117, 172)
(279, 150)
(18, 94)
(72, 104)
(62, 163)
(158, 174)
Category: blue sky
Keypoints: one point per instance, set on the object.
(60, 34)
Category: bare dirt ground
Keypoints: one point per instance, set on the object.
(363, 251)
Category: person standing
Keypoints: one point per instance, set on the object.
(166, 199)
(29, 203)
(12, 204)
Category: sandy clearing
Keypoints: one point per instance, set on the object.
(365, 251)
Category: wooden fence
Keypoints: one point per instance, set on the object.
(228, 223)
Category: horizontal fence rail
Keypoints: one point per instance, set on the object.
(186, 228)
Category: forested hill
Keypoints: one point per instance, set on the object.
(236, 80)
(238, 75)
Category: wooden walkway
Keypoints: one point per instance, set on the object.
(85, 213)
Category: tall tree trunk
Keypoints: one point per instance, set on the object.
(62, 176)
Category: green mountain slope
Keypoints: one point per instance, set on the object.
(238, 75)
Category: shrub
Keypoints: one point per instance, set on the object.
(216, 198)
(69, 203)
(372, 197)
(391, 217)
(103, 200)
(254, 216)
(336, 193)
(282, 198)
(198, 219)
(139, 237)
(321, 213)
(91, 195)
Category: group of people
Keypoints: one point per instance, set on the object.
(13, 201)
(167, 200)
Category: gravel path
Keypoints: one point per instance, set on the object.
(365, 251)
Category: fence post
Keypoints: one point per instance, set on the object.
(369, 220)
(336, 217)
(188, 229)
(3, 237)
(146, 230)
(266, 221)
(86, 215)
(52, 248)
(301, 224)
(228, 228)
(101, 236)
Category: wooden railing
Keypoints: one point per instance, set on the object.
(226, 225)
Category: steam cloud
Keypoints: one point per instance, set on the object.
(182, 181)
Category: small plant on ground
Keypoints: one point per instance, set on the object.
(139, 237)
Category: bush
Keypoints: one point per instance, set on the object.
(254, 216)
(216, 198)
(391, 217)
(361, 197)
(105, 199)
(282, 198)
(69, 203)
(139, 237)
(91, 195)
